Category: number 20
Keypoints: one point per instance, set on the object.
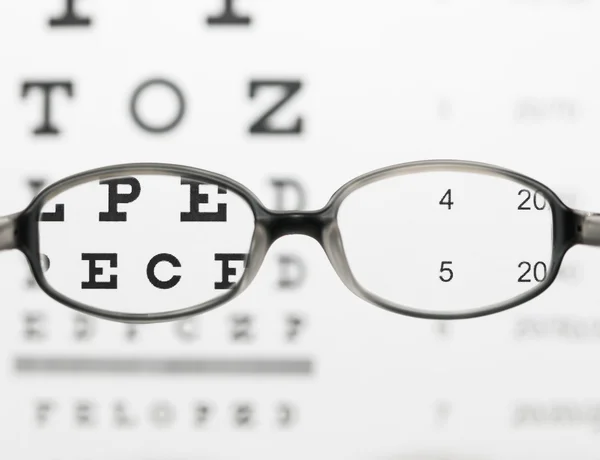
(539, 272)
(539, 202)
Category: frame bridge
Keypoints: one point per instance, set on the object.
(311, 223)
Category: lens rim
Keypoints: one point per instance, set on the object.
(28, 236)
(564, 222)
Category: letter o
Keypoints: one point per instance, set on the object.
(134, 102)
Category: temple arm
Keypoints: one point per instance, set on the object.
(588, 227)
(8, 238)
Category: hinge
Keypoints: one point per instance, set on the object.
(588, 228)
(8, 228)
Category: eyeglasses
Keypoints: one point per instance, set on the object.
(432, 239)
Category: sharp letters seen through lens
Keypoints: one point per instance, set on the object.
(447, 241)
(145, 243)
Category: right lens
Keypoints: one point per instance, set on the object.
(441, 241)
(145, 243)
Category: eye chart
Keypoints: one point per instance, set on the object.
(293, 99)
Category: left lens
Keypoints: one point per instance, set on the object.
(145, 243)
(439, 241)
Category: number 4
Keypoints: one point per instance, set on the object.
(448, 197)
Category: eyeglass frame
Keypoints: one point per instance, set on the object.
(570, 227)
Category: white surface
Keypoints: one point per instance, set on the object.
(507, 82)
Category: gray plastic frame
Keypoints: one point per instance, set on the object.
(20, 231)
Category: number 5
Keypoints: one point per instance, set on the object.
(445, 270)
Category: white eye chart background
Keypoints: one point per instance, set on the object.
(358, 85)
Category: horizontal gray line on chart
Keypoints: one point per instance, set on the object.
(173, 366)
